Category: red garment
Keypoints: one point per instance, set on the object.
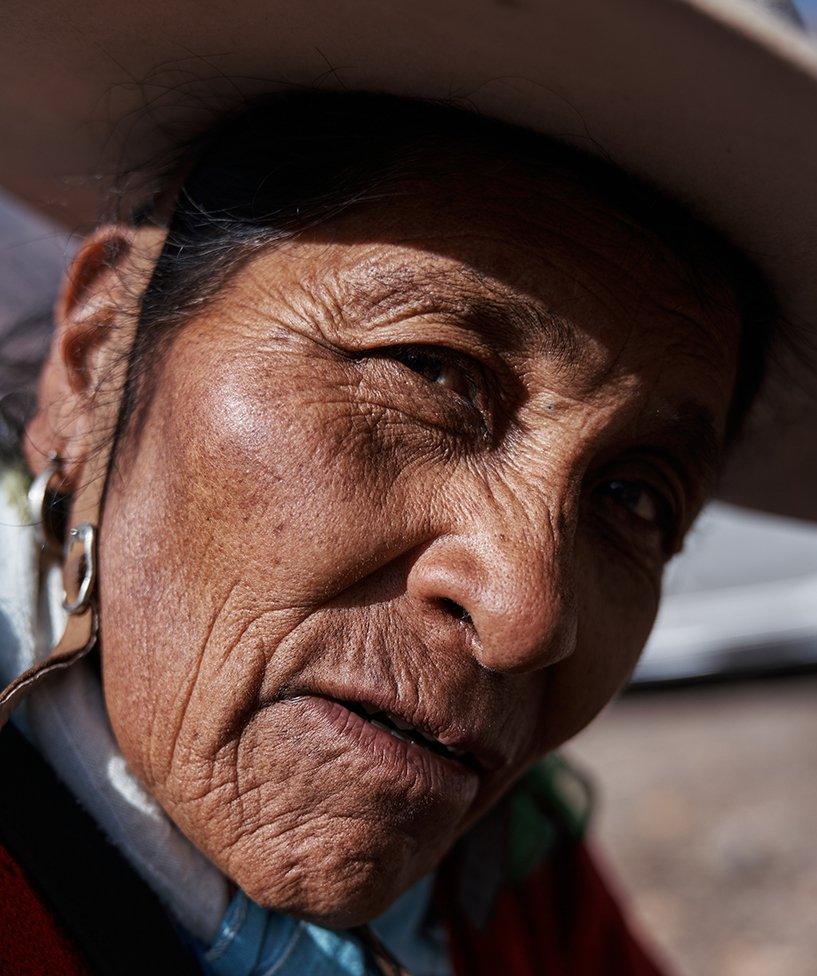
(31, 941)
(562, 920)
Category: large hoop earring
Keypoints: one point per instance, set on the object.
(85, 536)
(42, 509)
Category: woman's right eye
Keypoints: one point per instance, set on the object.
(438, 368)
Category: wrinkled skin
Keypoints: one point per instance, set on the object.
(309, 507)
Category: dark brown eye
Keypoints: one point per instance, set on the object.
(636, 498)
(647, 507)
(438, 369)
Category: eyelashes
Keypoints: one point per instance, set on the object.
(441, 369)
(444, 388)
(642, 510)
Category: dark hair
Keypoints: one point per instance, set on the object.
(292, 161)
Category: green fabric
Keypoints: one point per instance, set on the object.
(552, 802)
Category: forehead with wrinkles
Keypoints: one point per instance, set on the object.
(542, 264)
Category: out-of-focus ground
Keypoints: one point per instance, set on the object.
(707, 814)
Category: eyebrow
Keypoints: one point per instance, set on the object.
(509, 317)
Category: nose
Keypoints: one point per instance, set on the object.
(513, 591)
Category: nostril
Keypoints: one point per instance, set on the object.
(455, 609)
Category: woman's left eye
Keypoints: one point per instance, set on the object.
(636, 498)
(438, 369)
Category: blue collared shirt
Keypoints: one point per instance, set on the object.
(253, 941)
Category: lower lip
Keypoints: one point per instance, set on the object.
(396, 760)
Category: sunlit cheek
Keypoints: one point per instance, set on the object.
(281, 479)
(275, 419)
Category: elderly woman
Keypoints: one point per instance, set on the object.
(365, 436)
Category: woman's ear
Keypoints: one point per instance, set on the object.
(95, 319)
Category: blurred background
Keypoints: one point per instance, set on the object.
(706, 767)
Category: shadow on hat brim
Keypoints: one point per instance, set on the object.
(713, 101)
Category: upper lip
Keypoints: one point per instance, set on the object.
(460, 734)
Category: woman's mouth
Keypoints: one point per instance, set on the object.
(406, 732)
(386, 747)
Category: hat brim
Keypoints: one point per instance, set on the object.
(712, 100)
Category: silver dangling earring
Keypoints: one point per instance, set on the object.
(85, 536)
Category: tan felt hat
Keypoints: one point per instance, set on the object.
(715, 101)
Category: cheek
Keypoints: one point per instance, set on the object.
(284, 466)
(616, 608)
(221, 519)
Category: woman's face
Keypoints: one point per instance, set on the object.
(393, 525)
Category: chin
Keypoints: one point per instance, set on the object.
(352, 908)
(337, 884)
(335, 903)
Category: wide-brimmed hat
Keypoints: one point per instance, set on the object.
(713, 101)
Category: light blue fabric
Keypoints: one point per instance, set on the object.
(253, 941)
(420, 943)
